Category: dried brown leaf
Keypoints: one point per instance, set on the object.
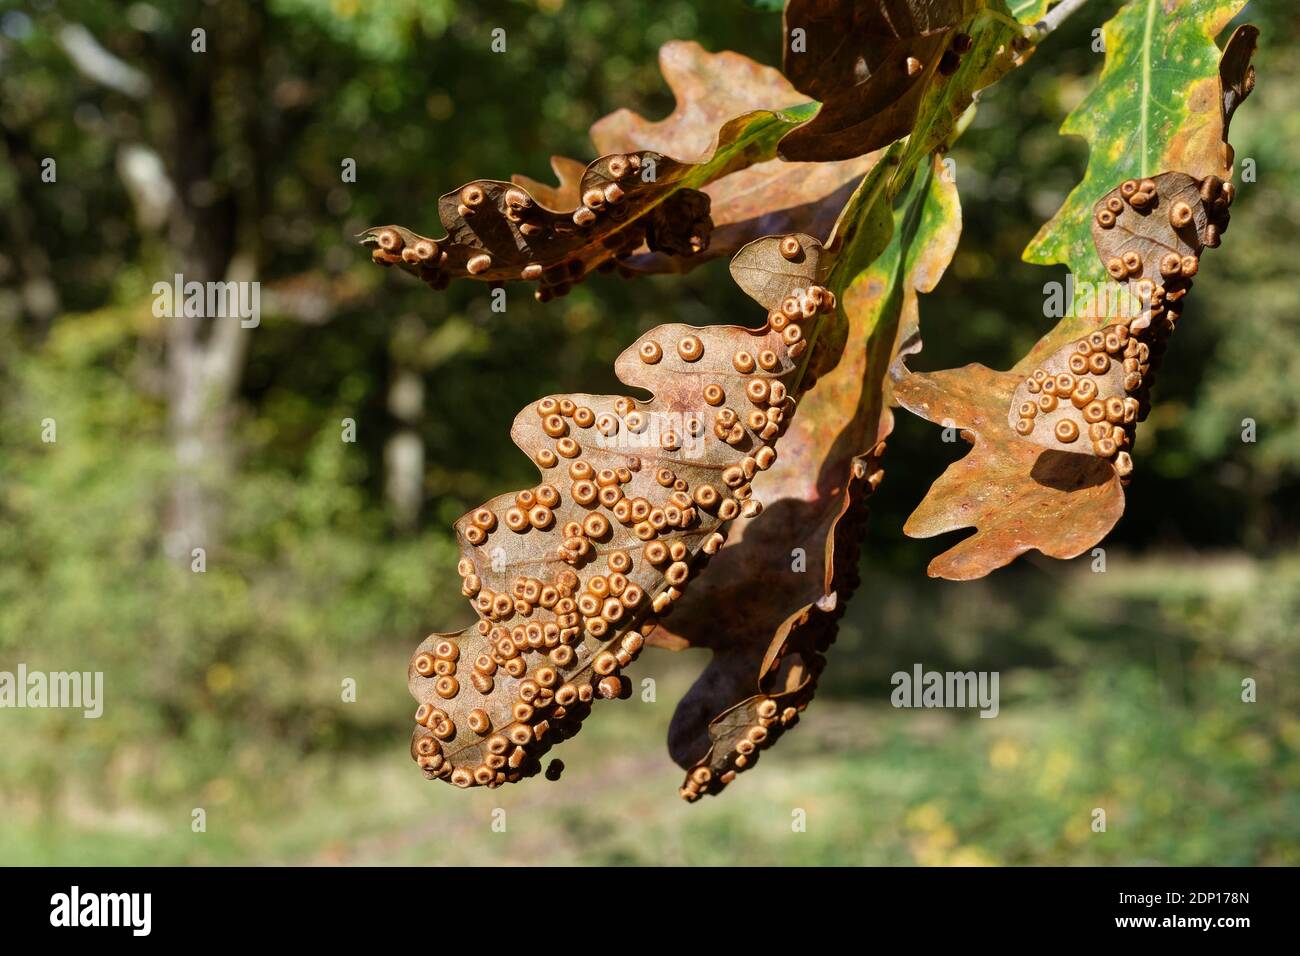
(566, 577)
(1237, 74)
(665, 196)
(1016, 495)
(499, 231)
(708, 90)
(768, 198)
(870, 65)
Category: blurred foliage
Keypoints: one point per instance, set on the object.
(223, 689)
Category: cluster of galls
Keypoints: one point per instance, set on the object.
(598, 199)
(1142, 195)
(633, 527)
(644, 518)
(1106, 420)
(767, 715)
(497, 231)
(1091, 394)
(424, 257)
(542, 621)
(546, 702)
(736, 746)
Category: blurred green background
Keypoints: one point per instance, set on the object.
(329, 560)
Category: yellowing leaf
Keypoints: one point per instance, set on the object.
(1052, 437)
(1157, 106)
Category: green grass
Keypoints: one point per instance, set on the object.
(1150, 728)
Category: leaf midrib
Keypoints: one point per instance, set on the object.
(1145, 103)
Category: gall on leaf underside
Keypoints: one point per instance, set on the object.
(635, 495)
(663, 196)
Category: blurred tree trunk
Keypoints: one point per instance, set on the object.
(212, 234)
(200, 209)
(202, 381)
(404, 449)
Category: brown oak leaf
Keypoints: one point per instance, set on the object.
(784, 577)
(869, 64)
(1052, 436)
(498, 231)
(566, 577)
(769, 198)
(664, 196)
(1236, 77)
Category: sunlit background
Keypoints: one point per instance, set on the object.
(329, 560)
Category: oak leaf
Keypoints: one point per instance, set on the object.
(568, 576)
(766, 662)
(870, 65)
(1236, 78)
(771, 197)
(1157, 105)
(664, 196)
(785, 576)
(497, 231)
(1053, 436)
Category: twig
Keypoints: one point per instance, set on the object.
(1056, 16)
